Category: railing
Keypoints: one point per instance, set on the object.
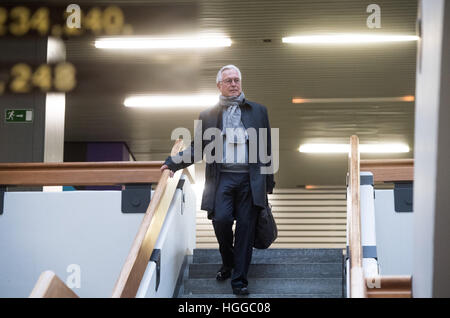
(79, 173)
(357, 283)
(390, 287)
(50, 286)
(134, 268)
(104, 173)
(389, 170)
(383, 171)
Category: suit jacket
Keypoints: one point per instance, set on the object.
(252, 115)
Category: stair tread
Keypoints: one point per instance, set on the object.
(273, 273)
(283, 259)
(274, 264)
(278, 251)
(263, 296)
(305, 270)
(273, 279)
(268, 286)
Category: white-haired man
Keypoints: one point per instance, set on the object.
(235, 188)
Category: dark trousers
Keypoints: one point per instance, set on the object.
(234, 202)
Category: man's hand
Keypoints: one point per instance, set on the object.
(164, 167)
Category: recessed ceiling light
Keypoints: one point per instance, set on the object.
(363, 148)
(298, 100)
(348, 38)
(155, 43)
(408, 98)
(164, 101)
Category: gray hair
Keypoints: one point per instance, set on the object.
(227, 67)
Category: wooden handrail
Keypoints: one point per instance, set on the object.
(50, 286)
(383, 171)
(135, 265)
(79, 173)
(390, 287)
(357, 282)
(389, 170)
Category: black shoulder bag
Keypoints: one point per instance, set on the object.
(266, 230)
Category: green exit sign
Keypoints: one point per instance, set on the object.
(19, 116)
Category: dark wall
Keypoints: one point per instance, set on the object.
(22, 142)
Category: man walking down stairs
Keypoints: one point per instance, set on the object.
(274, 273)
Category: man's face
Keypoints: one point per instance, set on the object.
(230, 84)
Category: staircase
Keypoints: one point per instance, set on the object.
(306, 218)
(274, 273)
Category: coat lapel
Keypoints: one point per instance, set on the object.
(215, 118)
(246, 118)
(212, 118)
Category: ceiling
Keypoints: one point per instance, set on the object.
(273, 73)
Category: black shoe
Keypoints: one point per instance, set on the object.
(240, 291)
(223, 273)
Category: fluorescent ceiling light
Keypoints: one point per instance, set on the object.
(345, 148)
(199, 100)
(347, 38)
(408, 98)
(155, 43)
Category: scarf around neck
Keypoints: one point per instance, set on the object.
(232, 111)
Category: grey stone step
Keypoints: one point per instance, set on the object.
(263, 296)
(315, 270)
(276, 256)
(274, 286)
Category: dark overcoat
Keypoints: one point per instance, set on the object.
(252, 115)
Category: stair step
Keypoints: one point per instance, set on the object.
(276, 256)
(315, 270)
(263, 296)
(274, 286)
